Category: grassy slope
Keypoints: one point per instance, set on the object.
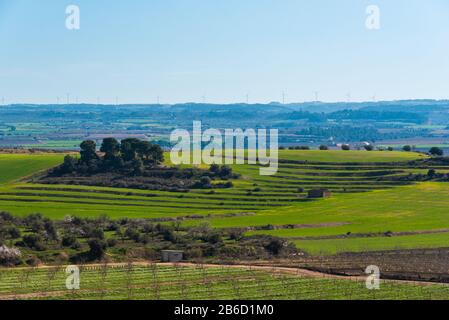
(16, 166)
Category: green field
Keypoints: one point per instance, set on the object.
(370, 208)
(16, 166)
(156, 282)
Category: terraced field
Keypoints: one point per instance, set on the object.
(157, 282)
(369, 201)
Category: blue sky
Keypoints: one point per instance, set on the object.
(182, 50)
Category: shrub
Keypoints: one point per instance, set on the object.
(345, 147)
(68, 241)
(112, 242)
(9, 256)
(97, 249)
(323, 147)
(407, 148)
(275, 246)
(236, 235)
(13, 233)
(33, 241)
(132, 233)
(96, 233)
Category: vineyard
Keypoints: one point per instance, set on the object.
(198, 282)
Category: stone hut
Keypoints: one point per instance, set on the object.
(172, 255)
(319, 194)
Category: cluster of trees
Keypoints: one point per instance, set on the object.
(434, 151)
(79, 240)
(130, 155)
(347, 133)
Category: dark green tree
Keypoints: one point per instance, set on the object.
(407, 148)
(69, 164)
(129, 148)
(97, 249)
(111, 148)
(88, 151)
(435, 151)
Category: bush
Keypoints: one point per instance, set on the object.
(214, 238)
(68, 241)
(369, 147)
(323, 147)
(236, 235)
(133, 234)
(345, 147)
(96, 233)
(407, 148)
(275, 246)
(34, 241)
(112, 242)
(13, 233)
(97, 249)
(9, 256)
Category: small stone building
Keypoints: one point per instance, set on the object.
(172, 255)
(319, 193)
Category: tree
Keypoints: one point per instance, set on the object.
(97, 248)
(369, 147)
(9, 256)
(214, 168)
(275, 246)
(407, 148)
(33, 241)
(138, 167)
(323, 147)
(111, 148)
(345, 147)
(156, 154)
(225, 172)
(129, 148)
(435, 151)
(69, 164)
(50, 230)
(152, 153)
(88, 151)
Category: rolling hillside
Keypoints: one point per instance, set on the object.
(370, 210)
